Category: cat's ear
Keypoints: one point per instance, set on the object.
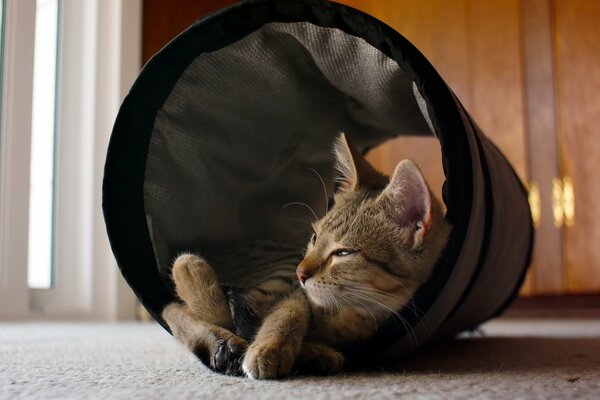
(410, 200)
(355, 170)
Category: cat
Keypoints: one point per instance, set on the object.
(365, 260)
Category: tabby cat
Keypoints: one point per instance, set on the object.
(366, 258)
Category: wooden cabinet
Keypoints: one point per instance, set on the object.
(529, 73)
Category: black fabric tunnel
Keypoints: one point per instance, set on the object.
(224, 124)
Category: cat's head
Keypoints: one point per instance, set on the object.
(380, 240)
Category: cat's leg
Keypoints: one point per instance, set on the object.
(196, 284)
(318, 359)
(279, 340)
(217, 347)
(204, 322)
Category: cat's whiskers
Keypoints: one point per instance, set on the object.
(382, 297)
(298, 203)
(413, 307)
(371, 291)
(338, 306)
(300, 219)
(398, 281)
(296, 285)
(370, 294)
(359, 294)
(407, 327)
(324, 188)
(407, 302)
(349, 297)
(367, 307)
(331, 304)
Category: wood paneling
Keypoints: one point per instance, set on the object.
(541, 131)
(496, 77)
(444, 45)
(476, 48)
(577, 52)
(496, 85)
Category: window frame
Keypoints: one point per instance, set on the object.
(100, 53)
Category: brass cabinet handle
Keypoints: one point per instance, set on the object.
(557, 202)
(563, 201)
(568, 199)
(535, 203)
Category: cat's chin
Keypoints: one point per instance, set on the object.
(316, 297)
(316, 300)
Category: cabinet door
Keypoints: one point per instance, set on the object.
(476, 47)
(548, 273)
(577, 54)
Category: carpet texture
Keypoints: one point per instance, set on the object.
(512, 359)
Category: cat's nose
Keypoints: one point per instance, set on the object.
(303, 273)
(302, 276)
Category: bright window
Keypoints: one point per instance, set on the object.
(42, 163)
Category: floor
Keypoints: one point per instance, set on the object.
(514, 358)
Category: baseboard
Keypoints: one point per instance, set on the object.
(569, 306)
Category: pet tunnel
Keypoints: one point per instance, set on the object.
(224, 125)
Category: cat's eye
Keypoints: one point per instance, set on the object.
(343, 252)
(313, 239)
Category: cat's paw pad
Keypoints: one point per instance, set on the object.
(320, 360)
(268, 361)
(228, 357)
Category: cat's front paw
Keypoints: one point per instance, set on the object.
(268, 361)
(228, 356)
(316, 359)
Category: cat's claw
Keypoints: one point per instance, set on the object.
(228, 357)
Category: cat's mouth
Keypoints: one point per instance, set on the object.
(327, 296)
(333, 296)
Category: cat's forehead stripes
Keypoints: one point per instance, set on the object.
(346, 211)
(347, 218)
(341, 219)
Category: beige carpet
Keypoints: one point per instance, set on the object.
(537, 359)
